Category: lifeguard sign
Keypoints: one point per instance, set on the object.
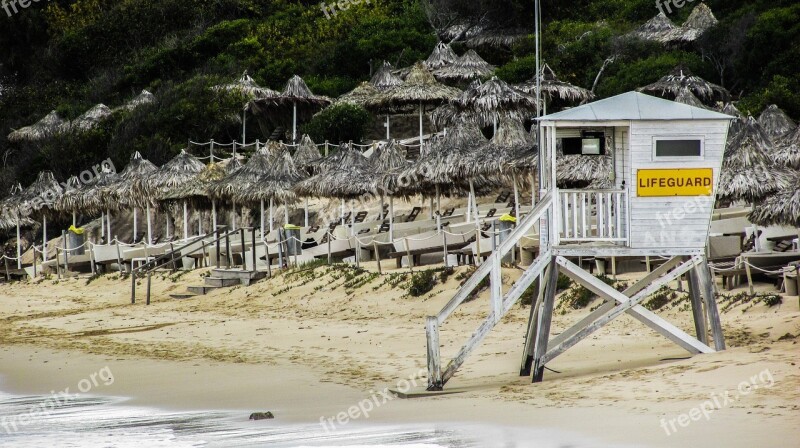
(674, 182)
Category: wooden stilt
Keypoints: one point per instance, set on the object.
(705, 279)
(697, 307)
(527, 353)
(543, 322)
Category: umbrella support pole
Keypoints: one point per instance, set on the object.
(294, 122)
(430, 213)
(469, 209)
(421, 113)
(103, 227)
(149, 226)
(44, 236)
(477, 223)
(19, 250)
(341, 219)
(135, 222)
(108, 224)
(391, 219)
(271, 215)
(213, 215)
(286, 212)
(306, 213)
(263, 226)
(388, 133)
(233, 217)
(185, 220)
(74, 219)
(199, 223)
(352, 220)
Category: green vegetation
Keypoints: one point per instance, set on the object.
(422, 282)
(68, 55)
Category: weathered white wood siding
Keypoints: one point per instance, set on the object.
(681, 222)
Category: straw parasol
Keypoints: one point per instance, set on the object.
(125, 192)
(306, 153)
(90, 197)
(90, 119)
(442, 56)
(748, 172)
(582, 170)
(787, 152)
(156, 185)
(39, 199)
(685, 96)
(555, 91)
(493, 99)
(681, 77)
(246, 177)
(12, 216)
(468, 67)
(297, 94)
(420, 88)
(775, 122)
(275, 185)
(497, 38)
(660, 28)
(249, 88)
(384, 79)
(779, 208)
(389, 161)
(50, 125)
(363, 94)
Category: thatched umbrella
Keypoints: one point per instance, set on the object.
(350, 178)
(779, 208)
(304, 158)
(775, 122)
(196, 191)
(389, 161)
(576, 169)
(442, 56)
(419, 88)
(671, 85)
(748, 171)
(554, 90)
(468, 67)
(249, 88)
(12, 208)
(497, 38)
(660, 28)
(94, 198)
(145, 97)
(90, 119)
(493, 99)
(359, 96)
(39, 199)
(297, 93)
(502, 155)
(788, 150)
(181, 169)
(244, 178)
(685, 96)
(50, 125)
(276, 185)
(446, 159)
(384, 80)
(126, 190)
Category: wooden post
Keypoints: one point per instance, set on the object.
(66, 252)
(149, 274)
(527, 354)
(253, 245)
(329, 246)
(408, 254)
(216, 231)
(377, 256)
(434, 362)
(228, 248)
(244, 262)
(358, 250)
(119, 259)
(543, 324)
(133, 285)
(5, 260)
(496, 288)
(34, 263)
(705, 279)
(697, 307)
(444, 243)
(58, 265)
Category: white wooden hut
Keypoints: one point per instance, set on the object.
(666, 166)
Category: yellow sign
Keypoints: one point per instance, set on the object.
(675, 182)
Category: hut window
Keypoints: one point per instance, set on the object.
(678, 147)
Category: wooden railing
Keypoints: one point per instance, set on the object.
(592, 215)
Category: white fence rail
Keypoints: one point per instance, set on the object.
(593, 215)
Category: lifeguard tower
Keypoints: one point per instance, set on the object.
(666, 166)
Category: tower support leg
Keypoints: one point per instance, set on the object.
(544, 319)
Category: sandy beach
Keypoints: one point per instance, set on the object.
(309, 344)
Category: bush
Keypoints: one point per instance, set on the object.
(339, 123)
(422, 283)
